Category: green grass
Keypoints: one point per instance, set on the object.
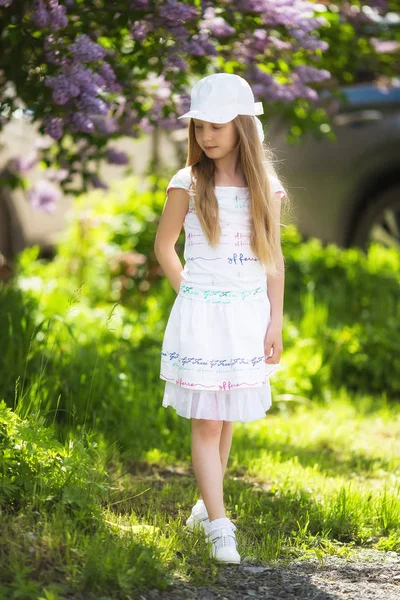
(320, 480)
(54, 555)
(317, 482)
(95, 475)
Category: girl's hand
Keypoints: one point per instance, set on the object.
(273, 340)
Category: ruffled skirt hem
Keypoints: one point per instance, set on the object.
(243, 405)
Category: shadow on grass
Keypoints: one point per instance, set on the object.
(293, 519)
(323, 455)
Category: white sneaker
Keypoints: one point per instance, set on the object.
(198, 516)
(221, 532)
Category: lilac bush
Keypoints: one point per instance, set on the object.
(44, 195)
(92, 71)
(116, 157)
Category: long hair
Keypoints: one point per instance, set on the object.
(257, 162)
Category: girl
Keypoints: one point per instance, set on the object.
(223, 338)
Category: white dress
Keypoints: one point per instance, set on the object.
(212, 356)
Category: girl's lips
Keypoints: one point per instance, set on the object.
(210, 147)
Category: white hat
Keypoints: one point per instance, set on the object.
(221, 97)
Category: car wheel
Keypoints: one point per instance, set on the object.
(379, 221)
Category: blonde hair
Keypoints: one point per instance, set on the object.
(256, 160)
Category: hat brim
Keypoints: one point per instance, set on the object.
(227, 116)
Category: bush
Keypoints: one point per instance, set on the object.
(106, 253)
(354, 286)
(38, 471)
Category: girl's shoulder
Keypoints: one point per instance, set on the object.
(276, 185)
(274, 181)
(181, 179)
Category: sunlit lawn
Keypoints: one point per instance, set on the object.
(94, 507)
(320, 480)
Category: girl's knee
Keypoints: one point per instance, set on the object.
(207, 427)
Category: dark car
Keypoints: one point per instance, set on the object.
(348, 191)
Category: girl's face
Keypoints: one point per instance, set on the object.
(215, 139)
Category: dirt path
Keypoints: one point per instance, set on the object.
(368, 575)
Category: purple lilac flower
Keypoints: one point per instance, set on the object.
(52, 50)
(258, 40)
(5, 2)
(54, 127)
(220, 28)
(174, 12)
(116, 157)
(58, 15)
(309, 24)
(156, 109)
(81, 122)
(180, 34)
(87, 80)
(63, 88)
(314, 44)
(273, 91)
(183, 103)
(21, 165)
(91, 104)
(105, 125)
(308, 74)
(257, 75)
(98, 183)
(278, 44)
(171, 123)
(385, 46)
(85, 50)
(200, 45)
(299, 90)
(380, 5)
(106, 72)
(129, 123)
(308, 43)
(158, 87)
(295, 16)
(139, 30)
(97, 80)
(57, 174)
(216, 25)
(175, 63)
(44, 195)
(145, 125)
(40, 15)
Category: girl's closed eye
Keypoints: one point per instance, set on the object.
(201, 127)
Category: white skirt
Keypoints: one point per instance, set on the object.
(236, 405)
(212, 357)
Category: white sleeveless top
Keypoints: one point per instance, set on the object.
(232, 265)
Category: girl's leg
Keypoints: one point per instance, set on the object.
(225, 444)
(206, 437)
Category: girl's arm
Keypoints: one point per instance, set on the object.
(276, 283)
(168, 231)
